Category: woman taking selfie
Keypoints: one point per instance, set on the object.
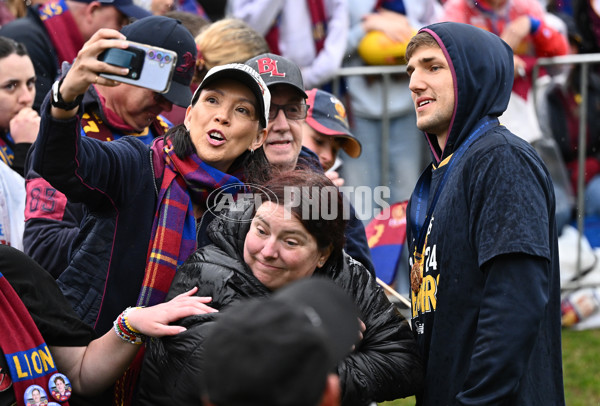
(154, 195)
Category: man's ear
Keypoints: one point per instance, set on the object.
(91, 7)
(332, 395)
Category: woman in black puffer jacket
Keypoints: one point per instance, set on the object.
(384, 366)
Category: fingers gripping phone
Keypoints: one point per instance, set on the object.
(149, 66)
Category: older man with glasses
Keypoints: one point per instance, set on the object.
(283, 146)
(288, 109)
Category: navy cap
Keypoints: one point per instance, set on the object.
(126, 7)
(277, 70)
(168, 33)
(327, 115)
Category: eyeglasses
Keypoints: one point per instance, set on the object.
(295, 111)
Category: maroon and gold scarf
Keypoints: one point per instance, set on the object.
(27, 355)
(62, 30)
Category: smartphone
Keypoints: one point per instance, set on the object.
(149, 66)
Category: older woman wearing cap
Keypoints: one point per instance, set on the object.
(293, 229)
(326, 130)
(153, 195)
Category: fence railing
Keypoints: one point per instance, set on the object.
(386, 73)
(585, 60)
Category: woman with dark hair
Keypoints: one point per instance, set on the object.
(19, 123)
(291, 229)
(157, 195)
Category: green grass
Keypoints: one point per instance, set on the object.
(581, 369)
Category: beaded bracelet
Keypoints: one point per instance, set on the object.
(125, 331)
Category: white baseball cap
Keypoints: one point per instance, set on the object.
(246, 75)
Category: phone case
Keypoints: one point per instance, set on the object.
(149, 66)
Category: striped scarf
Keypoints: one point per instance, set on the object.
(27, 355)
(62, 29)
(173, 236)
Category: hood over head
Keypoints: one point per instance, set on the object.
(483, 71)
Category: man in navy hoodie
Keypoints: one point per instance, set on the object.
(481, 232)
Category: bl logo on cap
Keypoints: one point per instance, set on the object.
(268, 65)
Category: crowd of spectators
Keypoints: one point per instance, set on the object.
(114, 192)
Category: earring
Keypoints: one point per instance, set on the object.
(320, 263)
(251, 151)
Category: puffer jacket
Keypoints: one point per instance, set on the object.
(384, 366)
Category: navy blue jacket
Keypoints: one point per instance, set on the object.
(54, 226)
(115, 181)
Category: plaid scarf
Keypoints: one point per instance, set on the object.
(173, 236)
(28, 357)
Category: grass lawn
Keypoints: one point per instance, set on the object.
(581, 368)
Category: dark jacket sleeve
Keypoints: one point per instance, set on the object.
(51, 224)
(496, 370)
(50, 311)
(20, 151)
(386, 364)
(356, 242)
(99, 174)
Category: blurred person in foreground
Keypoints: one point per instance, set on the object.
(481, 232)
(282, 350)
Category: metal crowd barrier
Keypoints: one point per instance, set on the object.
(585, 60)
(386, 73)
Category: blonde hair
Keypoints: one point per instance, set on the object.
(227, 41)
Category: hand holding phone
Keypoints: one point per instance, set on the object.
(149, 66)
